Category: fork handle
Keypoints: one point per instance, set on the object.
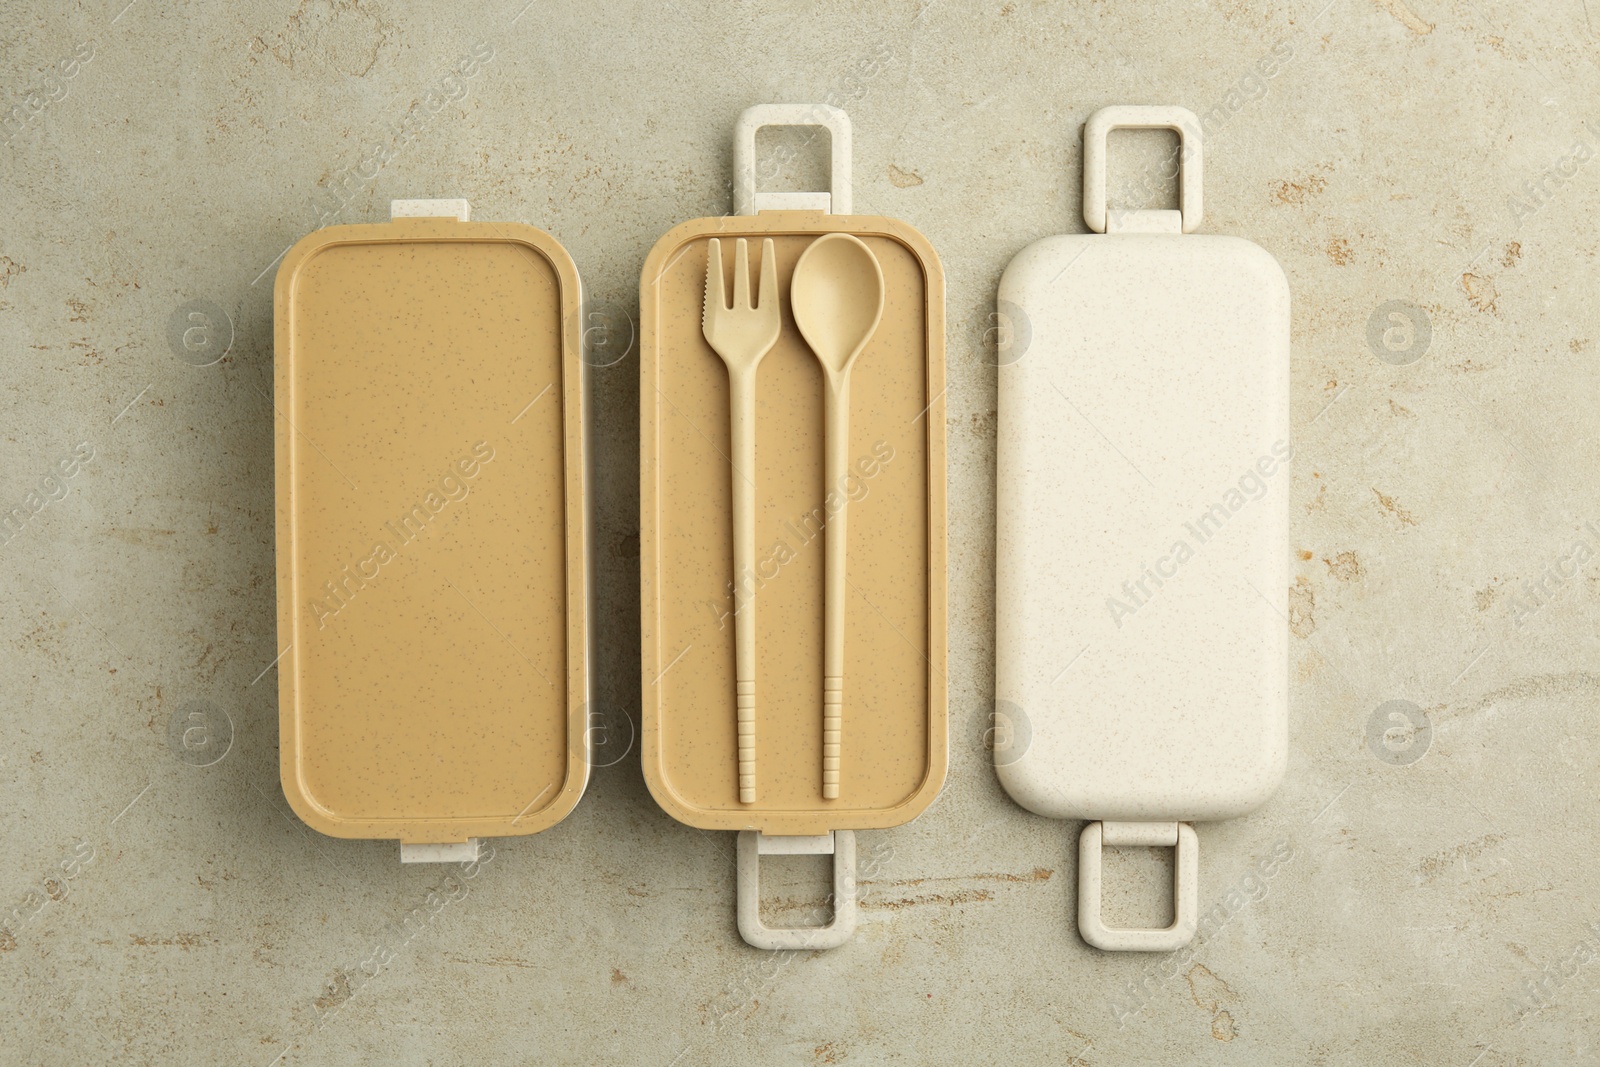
(742, 395)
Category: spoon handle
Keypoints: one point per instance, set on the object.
(836, 430)
(742, 390)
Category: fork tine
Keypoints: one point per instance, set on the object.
(741, 274)
(713, 283)
(769, 276)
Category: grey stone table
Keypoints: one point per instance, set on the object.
(1422, 889)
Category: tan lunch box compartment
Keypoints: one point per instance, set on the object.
(793, 663)
(430, 523)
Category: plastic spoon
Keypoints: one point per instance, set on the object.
(837, 299)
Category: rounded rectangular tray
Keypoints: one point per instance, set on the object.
(1142, 561)
(894, 744)
(431, 587)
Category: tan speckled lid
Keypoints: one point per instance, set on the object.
(430, 527)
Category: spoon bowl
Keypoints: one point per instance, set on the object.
(837, 298)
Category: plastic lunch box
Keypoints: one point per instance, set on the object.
(432, 601)
(875, 736)
(1142, 571)
(432, 549)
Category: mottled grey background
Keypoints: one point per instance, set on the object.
(1422, 889)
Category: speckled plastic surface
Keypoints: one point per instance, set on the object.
(895, 746)
(1141, 611)
(1142, 634)
(431, 585)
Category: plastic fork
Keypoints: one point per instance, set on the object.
(742, 335)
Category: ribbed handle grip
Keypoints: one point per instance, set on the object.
(745, 694)
(832, 723)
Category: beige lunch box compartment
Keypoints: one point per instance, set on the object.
(892, 736)
(430, 529)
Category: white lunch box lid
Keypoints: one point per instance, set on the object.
(1142, 570)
